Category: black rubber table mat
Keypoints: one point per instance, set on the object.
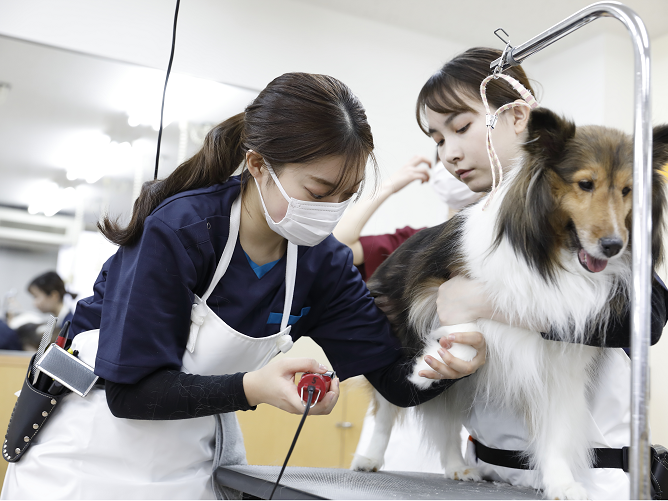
(332, 483)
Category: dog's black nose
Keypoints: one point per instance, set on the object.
(611, 246)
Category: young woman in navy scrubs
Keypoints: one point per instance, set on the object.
(215, 275)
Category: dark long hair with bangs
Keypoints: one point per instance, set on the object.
(298, 118)
(446, 90)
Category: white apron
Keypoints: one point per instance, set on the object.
(86, 452)
(609, 426)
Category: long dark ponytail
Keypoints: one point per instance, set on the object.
(297, 118)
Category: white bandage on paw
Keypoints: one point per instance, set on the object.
(464, 352)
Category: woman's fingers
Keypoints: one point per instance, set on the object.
(451, 367)
(419, 159)
(291, 366)
(474, 339)
(459, 366)
(421, 172)
(274, 384)
(440, 370)
(326, 405)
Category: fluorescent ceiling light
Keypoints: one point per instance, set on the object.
(187, 99)
(49, 198)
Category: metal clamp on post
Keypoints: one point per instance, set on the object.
(507, 51)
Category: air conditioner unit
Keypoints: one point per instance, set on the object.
(19, 227)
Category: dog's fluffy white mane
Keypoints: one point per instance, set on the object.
(569, 306)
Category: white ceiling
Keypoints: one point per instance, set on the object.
(472, 22)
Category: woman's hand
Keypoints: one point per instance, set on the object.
(461, 300)
(416, 168)
(451, 367)
(274, 384)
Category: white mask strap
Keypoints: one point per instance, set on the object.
(492, 118)
(273, 176)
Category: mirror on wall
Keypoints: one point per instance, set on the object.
(78, 136)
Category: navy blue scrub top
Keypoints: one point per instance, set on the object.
(144, 294)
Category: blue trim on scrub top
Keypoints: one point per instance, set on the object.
(261, 271)
(275, 318)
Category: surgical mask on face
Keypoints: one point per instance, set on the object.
(454, 193)
(305, 223)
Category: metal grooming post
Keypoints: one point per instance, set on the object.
(639, 458)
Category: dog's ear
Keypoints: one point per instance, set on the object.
(660, 168)
(534, 228)
(660, 147)
(548, 134)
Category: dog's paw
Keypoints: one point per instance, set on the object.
(363, 463)
(465, 473)
(573, 490)
(422, 383)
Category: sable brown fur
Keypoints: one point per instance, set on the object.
(425, 260)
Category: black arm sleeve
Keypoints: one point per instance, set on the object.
(171, 394)
(393, 384)
(619, 329)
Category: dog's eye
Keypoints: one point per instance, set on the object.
(586, 185)
(626, 191)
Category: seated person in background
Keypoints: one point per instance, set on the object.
(370, 251)
(9, 339)
(50, 296)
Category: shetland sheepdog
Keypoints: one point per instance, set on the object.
(552, 248)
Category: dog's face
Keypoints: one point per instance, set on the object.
(577, 186)
(592, 184)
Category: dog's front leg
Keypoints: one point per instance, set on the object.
(385, 415)
(442, 418)
(562, 446)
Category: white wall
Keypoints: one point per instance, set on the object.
(659, 352)
(660, 80)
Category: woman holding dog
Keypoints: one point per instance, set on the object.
(450, 110)
(214, 275)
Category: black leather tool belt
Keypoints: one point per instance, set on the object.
(31, 412)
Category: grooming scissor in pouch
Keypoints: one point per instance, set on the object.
(59, 373)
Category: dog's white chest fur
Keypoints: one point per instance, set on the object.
(565, 305)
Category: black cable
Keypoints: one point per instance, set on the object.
(169, 69)
(311, 391)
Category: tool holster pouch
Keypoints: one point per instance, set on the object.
(31, 411)
(659, 472)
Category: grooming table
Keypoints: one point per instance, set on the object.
(332, 483)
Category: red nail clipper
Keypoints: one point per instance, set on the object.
(320, 382)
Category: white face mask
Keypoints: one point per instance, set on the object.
(305, 223)
(449, 189)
